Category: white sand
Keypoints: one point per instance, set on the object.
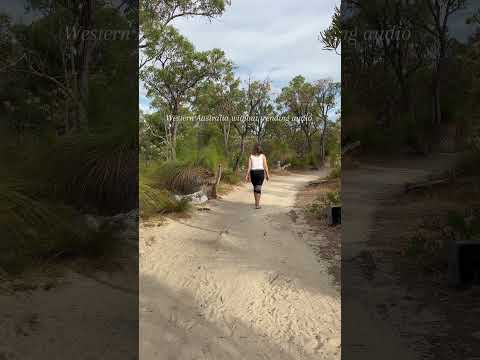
(237, 283)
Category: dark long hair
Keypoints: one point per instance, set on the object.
(257, 149)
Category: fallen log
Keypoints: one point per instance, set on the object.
(318, 182)
(425, 184)
(350, 147)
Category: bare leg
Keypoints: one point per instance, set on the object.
(257, 200)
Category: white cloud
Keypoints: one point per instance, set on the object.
(274, 38)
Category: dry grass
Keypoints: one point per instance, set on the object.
(412, 231)
(330, 249)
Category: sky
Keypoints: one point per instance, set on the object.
(268, 39)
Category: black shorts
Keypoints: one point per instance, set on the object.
(257, 177)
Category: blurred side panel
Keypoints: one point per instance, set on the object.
(410, 179)
(69, 179)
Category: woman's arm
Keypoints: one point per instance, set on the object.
(265, 166)
(247, 175)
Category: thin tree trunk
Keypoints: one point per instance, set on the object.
(240, 155)
(84, 60)
(217, 181)
(174, 140)
(322, 143)
(226, 136)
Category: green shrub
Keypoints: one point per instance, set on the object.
(97, 173)
(464, 228)
(34, 230)
(299, 163)
(230, 177)
(208, 158)
(333, 198)
(318, 207)
(156, 201)
(416, 245)
(335, 173)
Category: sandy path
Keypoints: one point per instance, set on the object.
(237, 283)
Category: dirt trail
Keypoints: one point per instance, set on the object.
(364, 189)
(79, 318)
(238, 283)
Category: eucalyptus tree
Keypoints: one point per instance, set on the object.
(326, 93)
(263, 109)
(298, 101)
(331, 37)
(76, 52)
(255, 96)
(180, 71)
(222, 98)
(433, 17)
(156, 17)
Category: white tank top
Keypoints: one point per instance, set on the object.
(257, 162)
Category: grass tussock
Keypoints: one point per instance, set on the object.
(154, 201)
(34, 231)
(95, 172)
(175, 177)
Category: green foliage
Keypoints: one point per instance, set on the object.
(279, 150)
(335, 173)
(333, 198)
(231, 177)
(209, 157)
(183, 70)
(323, 202)
(417, 246)
(332, 36)
(155, 15)
(99, 171)
(463, 228)
(309, 161)
(400, 99)
(175, 177)
(34, 230)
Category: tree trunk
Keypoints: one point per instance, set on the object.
(308, 137)
(437, 111)
(240, 155)
(85, 50)
(174, 140)
(438, 80)
(226, 136)
(217, 181)
(173, 131)
(322, 150)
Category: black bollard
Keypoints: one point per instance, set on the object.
(335, 215)
(464, 263)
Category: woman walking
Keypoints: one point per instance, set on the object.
(257, 171)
